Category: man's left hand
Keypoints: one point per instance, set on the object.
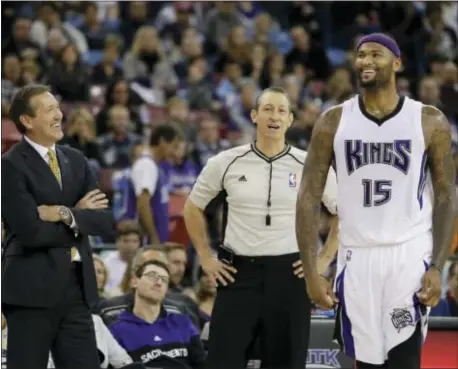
(298, 271)
(431, 289)
(49, 213)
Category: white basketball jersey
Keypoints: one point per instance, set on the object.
(384, 190)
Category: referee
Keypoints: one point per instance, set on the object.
(261, 290)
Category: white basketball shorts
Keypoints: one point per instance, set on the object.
(378, 307)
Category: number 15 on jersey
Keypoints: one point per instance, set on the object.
(376, 192)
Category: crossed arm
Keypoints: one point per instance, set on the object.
(19, 212)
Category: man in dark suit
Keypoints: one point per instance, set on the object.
(50, 204)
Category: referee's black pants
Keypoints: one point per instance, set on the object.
(266, 302)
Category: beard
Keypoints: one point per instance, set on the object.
(374, 83)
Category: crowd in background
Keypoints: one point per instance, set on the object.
(121, 69)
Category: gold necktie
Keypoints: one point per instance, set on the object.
(54, 165)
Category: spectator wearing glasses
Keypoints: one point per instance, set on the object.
(177, 303)
(150, 334)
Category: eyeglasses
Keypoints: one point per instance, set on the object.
(154, 277)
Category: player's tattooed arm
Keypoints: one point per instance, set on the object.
(442, 165)
(308, 206)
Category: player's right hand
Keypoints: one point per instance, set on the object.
(217, 271)
(93, 200)
(321, 293)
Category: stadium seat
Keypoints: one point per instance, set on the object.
(10, 135)
(177, 228)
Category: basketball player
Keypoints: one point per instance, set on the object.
(394, 236)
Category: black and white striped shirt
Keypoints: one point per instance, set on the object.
(260, 197)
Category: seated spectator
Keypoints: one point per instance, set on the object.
(80, 134)
(55, 43)
(189, 49)
(125, 286)
(128, 240)
(449, 91)
(146, 61)
(273, 71)
(20, 42)
(304, 13)
(149, 333)
(338, 88)
(300, 133)
(230, 82)
(108, 68)
(236, 49)
(248, 11)
(257, 63)
(268, 33)
(198, 89)
(101, 276)
(440, 39)
(239, 110)
(311, 56)
(31, 71)
(219, 23)
(183, 14)
(50, 17)
(174, 302)
(94, 29)
(118, 93)
(208, 142)
(136, 15)
(11, 81)
(69, 77)
(452, 293)
(177, 259)
(117, 145)
(178, 116)
(294, 90)
(204, 293)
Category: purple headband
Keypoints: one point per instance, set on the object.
(381, 39)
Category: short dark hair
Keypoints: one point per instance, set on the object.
(166, 132)
(451, 269)
(127, 227)
(172, 246)
(21, 104)
(89, 4)
(276, 89)
(141, 269)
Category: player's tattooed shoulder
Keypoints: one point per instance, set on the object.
(436, 127)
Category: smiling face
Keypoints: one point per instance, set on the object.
(45, 125)
(376, 65)
(273, 116)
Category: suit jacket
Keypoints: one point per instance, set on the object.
(36, 262)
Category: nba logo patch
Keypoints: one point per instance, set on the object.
(292, 180)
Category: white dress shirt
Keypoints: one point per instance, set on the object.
(43, 152)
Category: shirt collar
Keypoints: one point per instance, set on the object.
(43, 151)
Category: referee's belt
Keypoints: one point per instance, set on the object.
(229, 257)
